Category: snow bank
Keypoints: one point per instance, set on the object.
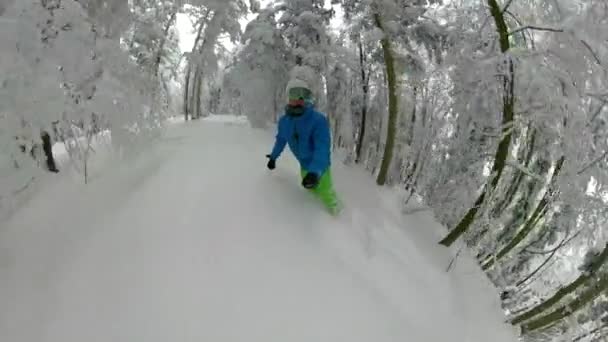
(227, 119)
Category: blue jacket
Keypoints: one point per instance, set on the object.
(308, 137)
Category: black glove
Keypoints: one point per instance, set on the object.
(271, 163)
(311, 181)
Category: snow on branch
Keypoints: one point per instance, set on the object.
(525, 170)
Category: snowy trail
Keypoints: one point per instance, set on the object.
(196, 241)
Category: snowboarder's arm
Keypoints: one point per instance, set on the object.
(322, 144)
(279, 144)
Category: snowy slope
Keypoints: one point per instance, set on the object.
(196, 241)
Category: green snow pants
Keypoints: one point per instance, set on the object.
(325, 192)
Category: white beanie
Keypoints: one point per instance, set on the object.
(297, 83)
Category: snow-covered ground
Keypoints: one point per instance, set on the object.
(195, 240)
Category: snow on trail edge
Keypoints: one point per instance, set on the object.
(196, 241)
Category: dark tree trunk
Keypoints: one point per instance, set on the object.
(393, 107)
(365, 89)
(47, 147)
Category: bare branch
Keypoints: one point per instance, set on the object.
(507, 6)
(592, 52)
(536, 28)
(564, 242)
(598, 111)
(602, 157)
(520, 23)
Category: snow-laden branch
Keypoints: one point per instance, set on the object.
(536, 28)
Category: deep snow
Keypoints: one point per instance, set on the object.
(195, 240)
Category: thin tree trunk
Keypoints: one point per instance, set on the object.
(508, 114)
(410, 132)
(47, 147)
(186, 91)
(336, 143)
(564, 291)
(198, 95)
(193, 94)
(195, 98)
(393, 107)
(365, 89)
(410, 138)
(199, 34)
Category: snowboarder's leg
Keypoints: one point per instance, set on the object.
(326, 193)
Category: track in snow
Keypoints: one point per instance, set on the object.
(196, 241)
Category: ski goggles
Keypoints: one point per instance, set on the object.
(298, 96)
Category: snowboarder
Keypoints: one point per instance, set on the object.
(307, 133)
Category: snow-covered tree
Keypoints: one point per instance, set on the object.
(64, 76)
(258, 75)
(212, 19)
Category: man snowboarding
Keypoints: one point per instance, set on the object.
(307, 133)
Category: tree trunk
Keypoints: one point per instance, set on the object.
(198, 95)
(195, 98)
(199, 34)
(512, 190)
(564, 291)
(410, 132)
(532, 221)
(186, 92)
(411, 168)
(393, 109)
(587, 296)
(365, 89)
(47, 147)
(507, 119)
(161, 47)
